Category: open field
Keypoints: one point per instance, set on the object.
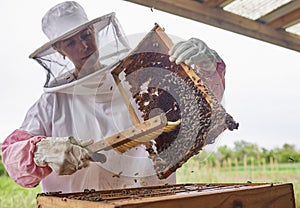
(193, 172)
(14, 196)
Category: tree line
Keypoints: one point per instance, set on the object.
(243, 149)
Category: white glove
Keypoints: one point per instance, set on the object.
(194, 52)
(65, 155)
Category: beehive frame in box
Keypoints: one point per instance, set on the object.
(158, 86)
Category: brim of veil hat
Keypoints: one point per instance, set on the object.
(47, 48)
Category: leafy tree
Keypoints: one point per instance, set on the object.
(287, 153)
(243, 148)
(288, 147)
(224, 152)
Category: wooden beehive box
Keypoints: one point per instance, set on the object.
(263, 195)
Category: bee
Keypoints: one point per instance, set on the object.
(291, 159)
(117, 175)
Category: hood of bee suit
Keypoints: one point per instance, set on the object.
(65, 20)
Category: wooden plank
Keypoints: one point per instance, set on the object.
(54, 202)
(165, 39)
(217, 3)
(128, 104)
(286, 20)
(279, 12)
(134, 133)
(222, 19)
(231, 196)
(276, 196)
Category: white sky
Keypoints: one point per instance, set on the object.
(262, 80)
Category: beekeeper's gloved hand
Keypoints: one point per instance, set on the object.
(194, 52)
(65, 155)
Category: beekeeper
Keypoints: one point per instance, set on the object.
(81, 104)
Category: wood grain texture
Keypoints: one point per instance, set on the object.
(180, 195)
(217, 17)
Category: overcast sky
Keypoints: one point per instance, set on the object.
(262, 80)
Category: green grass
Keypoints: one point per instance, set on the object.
(15, 196)
(193, 172)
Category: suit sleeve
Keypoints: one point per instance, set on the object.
(17, 156)
(18, 148)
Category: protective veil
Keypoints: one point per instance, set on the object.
(112, 46)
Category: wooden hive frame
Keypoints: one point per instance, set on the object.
(161, 37)
(149, 63)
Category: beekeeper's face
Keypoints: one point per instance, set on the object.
(81, 49)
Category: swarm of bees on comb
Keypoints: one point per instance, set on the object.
(159, 86)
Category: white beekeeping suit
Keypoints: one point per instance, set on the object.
(82, 104)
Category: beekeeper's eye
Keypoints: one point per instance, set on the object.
(70, 44)
(86, 35)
